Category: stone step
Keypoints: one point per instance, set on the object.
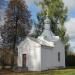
(20, 69)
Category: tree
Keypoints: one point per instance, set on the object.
(17, 24)
(38, 27)
(58, 15)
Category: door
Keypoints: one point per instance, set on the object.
(24, 60)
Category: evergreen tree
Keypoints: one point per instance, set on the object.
(16, 28)
(17, 24)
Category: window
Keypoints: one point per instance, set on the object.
(59, 56)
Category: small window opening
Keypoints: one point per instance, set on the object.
(59, 56)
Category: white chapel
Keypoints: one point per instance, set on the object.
(42, 53)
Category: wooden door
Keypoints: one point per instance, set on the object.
(24, 60)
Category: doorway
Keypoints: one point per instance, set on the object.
(24, 60)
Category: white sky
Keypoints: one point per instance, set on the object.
(70, 4)
(70, 26)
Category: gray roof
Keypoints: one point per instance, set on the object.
(42, 41)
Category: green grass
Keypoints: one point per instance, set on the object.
(49, 72)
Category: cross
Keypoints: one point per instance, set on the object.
(46, 8)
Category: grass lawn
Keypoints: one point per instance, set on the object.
(49, 72)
